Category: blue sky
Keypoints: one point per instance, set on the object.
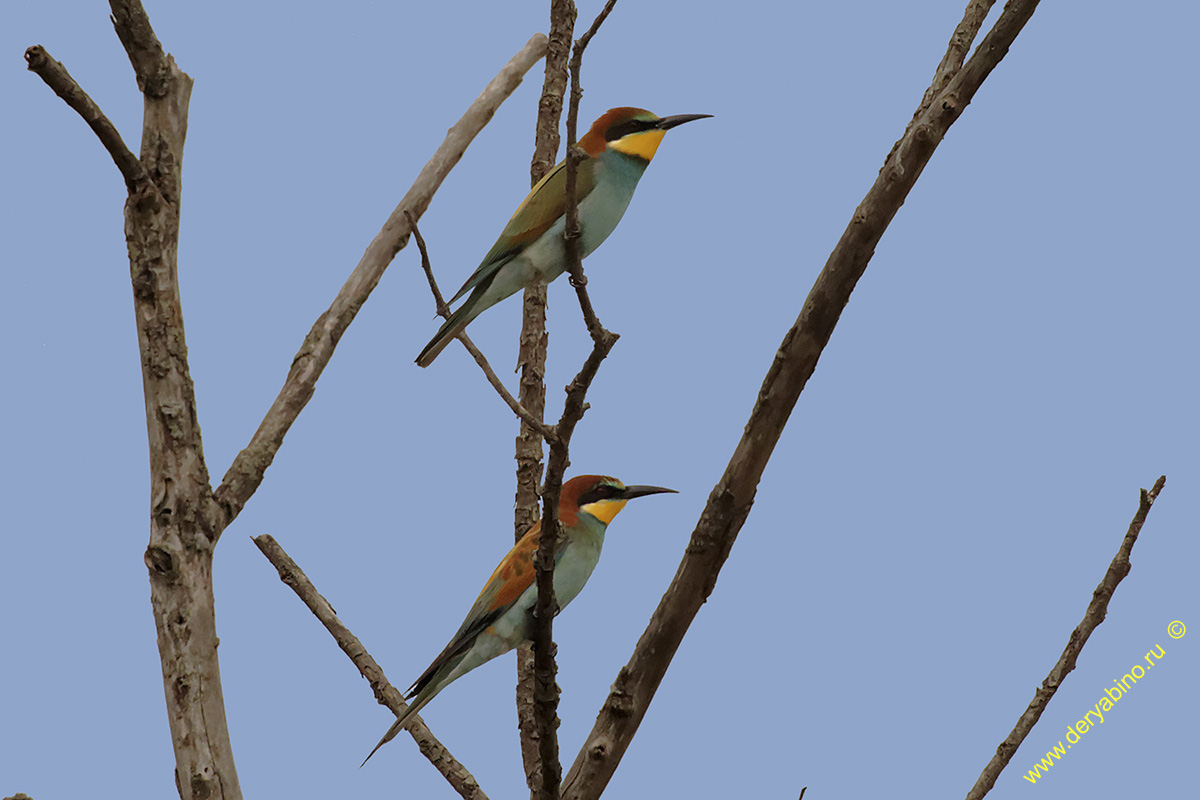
(1019, 359)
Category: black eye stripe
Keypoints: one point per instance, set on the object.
(629, 126)
(601, 492)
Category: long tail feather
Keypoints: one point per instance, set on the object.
(400, 724)
(451, 328)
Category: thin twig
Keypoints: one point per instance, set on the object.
(573, 233)
(1096, 611)
(443, 310)
(730, 501)
(584, 40)
(246, 473)
(387, 695)
(57, 78)
(545, 668)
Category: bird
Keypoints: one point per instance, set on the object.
(502, 616)
(619, 147)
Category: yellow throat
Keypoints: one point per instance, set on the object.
(643, 145)
(604, 510)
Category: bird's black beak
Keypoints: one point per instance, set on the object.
(630, 492)
(666, 123)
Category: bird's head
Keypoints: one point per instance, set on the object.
(598, 496)
(632, 131)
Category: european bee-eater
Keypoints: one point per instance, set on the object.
(503, 613)
(619, 146)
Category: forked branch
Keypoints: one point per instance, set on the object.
(187, 517)
(183, 522)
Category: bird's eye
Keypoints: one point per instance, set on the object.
(601, 492)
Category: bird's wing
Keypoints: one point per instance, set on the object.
(509, 581)
(540, 209)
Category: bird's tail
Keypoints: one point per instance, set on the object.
(451, 328)
(401, 723)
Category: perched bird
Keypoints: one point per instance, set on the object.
(530, 249)
(503, 613)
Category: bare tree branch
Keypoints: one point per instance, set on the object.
(187, 520)
(730, 501)
(960, 45)
(387, 695)
(183, 524)
(57, 78)
(1097, 610)
(531, 361)
(554, 89)
(151, 65)
(545, 709)
(443, 311)
(246, 472)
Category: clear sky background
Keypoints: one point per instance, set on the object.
(1019, 359)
